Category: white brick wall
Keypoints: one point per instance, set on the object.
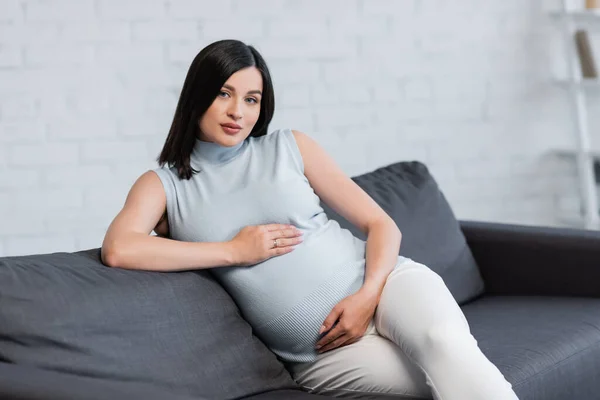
(88, 88)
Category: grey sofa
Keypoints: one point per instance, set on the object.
(72, 328)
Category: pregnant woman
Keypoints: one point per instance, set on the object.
(347, 317)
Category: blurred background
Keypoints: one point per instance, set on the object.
(478, 90)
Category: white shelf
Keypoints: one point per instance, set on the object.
(583, 153)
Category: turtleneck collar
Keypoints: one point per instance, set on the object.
(215, 153)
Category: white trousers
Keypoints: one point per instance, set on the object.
(419, 345)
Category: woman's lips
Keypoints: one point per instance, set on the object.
(230, 130)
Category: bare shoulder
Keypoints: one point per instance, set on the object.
(298, 135)
(148, 183)
(304, 141)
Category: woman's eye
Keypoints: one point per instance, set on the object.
(223, 94)
(252, 100)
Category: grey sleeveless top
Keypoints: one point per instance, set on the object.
(261, 181)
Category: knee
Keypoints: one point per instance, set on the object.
(410, 266)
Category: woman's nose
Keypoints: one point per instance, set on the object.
(235, 111)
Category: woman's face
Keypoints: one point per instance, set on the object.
(234, 112)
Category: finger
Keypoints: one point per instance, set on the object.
(335, 344)
(287, 242)
(330, 337)
(333, 316)
(284, 234)
(275, 244)
(277, 251)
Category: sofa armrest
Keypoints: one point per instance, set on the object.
(535, 260)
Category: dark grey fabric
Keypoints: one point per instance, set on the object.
(181, 331)
(430, 232)
(547, 347)
(23, 382)
(535, 260)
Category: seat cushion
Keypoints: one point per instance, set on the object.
(180, 331)
(547, 347)
(430, 232)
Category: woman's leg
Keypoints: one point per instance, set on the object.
(418, 313)
(372, 366)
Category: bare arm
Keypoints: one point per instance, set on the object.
(128, 243)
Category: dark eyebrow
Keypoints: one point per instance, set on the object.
(250, 92)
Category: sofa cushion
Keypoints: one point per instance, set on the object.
(546, 347)
(430, 232)
(68, 312)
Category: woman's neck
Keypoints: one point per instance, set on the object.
(215, 153)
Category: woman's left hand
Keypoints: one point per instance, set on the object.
(353, 315)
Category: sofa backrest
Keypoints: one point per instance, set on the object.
(431, 234)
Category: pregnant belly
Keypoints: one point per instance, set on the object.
(270, 289)
(293, 334)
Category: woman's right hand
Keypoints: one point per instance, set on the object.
(254, 243)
